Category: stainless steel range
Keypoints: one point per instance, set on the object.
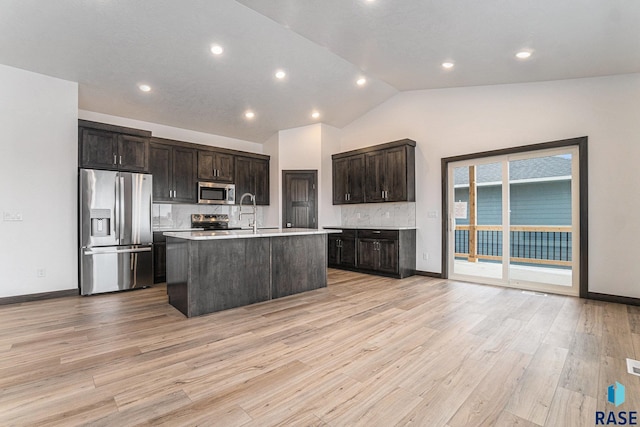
(211, 222)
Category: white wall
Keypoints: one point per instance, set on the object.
(328, 214)
(307, 148)
(38, 181)
(178, 134)
(272, 213)
(459, 121)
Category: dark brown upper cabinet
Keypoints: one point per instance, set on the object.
(215, 166)
(348, 180)
(381, 173)
(173, 168)
(252, 176)
(110, 147)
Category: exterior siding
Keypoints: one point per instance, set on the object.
(540, 203)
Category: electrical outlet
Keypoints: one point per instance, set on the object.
(425, 256)
(41, 272)
(432, 214)
(358, 215)
(386, 214)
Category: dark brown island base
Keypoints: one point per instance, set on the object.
(209, 271)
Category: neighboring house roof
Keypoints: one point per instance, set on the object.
(529, 169)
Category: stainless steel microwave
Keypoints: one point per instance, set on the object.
(214, 193)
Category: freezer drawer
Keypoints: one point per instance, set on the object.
(115, 268)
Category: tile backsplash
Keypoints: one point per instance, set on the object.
(179, 216)
(401, 214)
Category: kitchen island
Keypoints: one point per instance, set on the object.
(209, 271)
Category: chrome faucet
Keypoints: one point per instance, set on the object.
(252, 198)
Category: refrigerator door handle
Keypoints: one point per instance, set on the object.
(115, 251)
(116, 211)
(122, 208)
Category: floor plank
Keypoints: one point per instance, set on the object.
(366, 350)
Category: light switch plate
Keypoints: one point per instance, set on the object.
(9, 216)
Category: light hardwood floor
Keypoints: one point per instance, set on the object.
(365, 351)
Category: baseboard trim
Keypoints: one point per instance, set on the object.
(613, 298)
(429, 274)
(38, 297)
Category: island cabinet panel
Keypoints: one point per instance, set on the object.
(299, 264)
(177, 274)
(210, 273)
(213, 275)
(159, 257)
(231, 274)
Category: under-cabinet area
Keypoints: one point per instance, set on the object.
(383, 251)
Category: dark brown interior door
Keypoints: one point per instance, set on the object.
(300, 208)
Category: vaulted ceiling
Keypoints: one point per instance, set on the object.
(110, 47)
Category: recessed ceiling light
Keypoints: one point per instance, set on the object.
(144, 88)
(524, 54)
(280, 74)
(315, 114)
(361, 81)
(217, 49)
(447, 65)
(249, 114)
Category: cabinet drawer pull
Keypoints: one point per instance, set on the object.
(376, 231)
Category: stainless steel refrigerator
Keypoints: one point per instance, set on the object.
(115, 231)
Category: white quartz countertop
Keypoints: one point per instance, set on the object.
(243, 234)
(163, 229)
(370, 227)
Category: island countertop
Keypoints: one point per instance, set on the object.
(370, 227)
(244, 234)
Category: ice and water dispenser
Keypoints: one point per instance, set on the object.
(100, 222)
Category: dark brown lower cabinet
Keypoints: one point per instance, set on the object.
(342, 249)
(159, 257)
(383, 252)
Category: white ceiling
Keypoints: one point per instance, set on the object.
(111, 46)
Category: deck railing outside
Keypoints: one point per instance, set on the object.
(530, 244)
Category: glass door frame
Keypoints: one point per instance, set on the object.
(579, 190)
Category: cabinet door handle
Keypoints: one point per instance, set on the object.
(345, 197)
(120, 160)
(114, 158)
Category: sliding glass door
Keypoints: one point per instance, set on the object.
(514, 220)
